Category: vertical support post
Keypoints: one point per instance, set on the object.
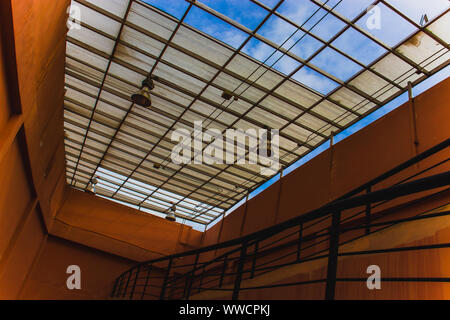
(191, 281)
(119, 289)
(333, 256)
(186, 285)
(237, 281)
(278, 205)
(225, 263)
(113, 293)
(413, 116)
(149, 270)
(166, 278)
(255, 254)
(368, 212)
(126, 286)
(135, 281)
(299, 243)
(201, 280)
(244, 218)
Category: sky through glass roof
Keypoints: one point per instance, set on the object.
(306, 68)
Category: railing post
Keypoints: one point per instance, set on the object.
(113, 293)
(191, 281)
(126, 286)
(225, 262)
(255, 254)
(201, 280)
(299, 244)
(333, 256)
(237, 281)
(149, 270)
(186, 285)
(166, 277)
(368, 208)
(135, 281)
(119, 288)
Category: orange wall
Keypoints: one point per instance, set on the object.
(118, 229)
(31, 158)
(417, 263)
(403, 264)
(380, 146)
(98, 272)
(40, 29)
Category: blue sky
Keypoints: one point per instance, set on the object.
(393, 30)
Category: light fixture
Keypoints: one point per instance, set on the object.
(142, 97)
(171, 214)
(227, 95)
(91, 186)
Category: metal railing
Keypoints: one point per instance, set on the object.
(311, 236)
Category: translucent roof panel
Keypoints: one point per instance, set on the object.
(304, 67)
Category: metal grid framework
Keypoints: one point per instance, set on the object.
(121, 42)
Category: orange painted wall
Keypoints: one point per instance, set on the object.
(121, 230)
(31, 158)
(417, 263)
(5, 111)
(98, 272)
(39, 30)
(21, 233)
(380, 146)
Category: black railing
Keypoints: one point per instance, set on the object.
(312, 236)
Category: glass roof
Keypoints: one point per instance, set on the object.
(307, 68)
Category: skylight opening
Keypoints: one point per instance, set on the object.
(304, 112)
(315, 80)
(358, 46)
(116, 7)
(335, 64)
(176, 8)
(215, 27)
(311, 17)
(416, 9)
(261, 51)
(139, 193)
(352, 8)
(386, 25)
(306, 46)
(277, 30)
(245, 12)
(269, 3)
